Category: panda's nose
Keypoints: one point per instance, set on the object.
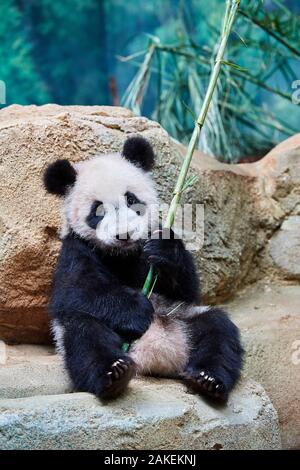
(123, 236)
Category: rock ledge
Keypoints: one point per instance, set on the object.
(154, 414)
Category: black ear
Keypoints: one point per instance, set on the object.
(59, 176)
(140, 152)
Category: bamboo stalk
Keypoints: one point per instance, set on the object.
(230, 14)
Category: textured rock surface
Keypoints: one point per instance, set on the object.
(291, 143)
(32, 370)
(3, 353)
(284, 247)
(154, 414)
(244, 205)
(269, 318)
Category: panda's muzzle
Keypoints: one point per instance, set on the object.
(125, 237)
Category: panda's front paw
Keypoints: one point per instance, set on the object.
(139, 316)
(143, 316)
(117, 377)
(163, 249)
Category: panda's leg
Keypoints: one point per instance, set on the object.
(93, 356)
(215, 358)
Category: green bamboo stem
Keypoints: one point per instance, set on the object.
(230, 14)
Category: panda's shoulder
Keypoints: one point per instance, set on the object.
(76, 251)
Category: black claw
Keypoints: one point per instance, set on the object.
(117, 377)
(204, 382)
(118, 369)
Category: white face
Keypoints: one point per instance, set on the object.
(112, 202)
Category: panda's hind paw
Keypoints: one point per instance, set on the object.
(118, 376)
(206, 383)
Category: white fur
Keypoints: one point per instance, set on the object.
(58, 333)
(195, 311)
(164, 348)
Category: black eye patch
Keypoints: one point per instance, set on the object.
(96, 214)
(134, 203)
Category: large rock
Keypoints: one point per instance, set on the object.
(291, 143)
(284, 247)
(154, 414)
(269, 318)
(244, 205)
(32, 370)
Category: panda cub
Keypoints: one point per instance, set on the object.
(97, 303)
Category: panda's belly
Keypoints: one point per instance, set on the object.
(164, 349)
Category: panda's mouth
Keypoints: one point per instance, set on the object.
(124, 246)
(126, 237)
(125, 243)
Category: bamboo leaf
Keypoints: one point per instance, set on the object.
(234, 66)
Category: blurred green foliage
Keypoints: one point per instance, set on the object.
(252, 108)
(69, 52)
(53, 51)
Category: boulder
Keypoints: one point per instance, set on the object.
(284, 247)
(291, 143)
(268, 315)
(154, 413)
(243, 205)
(3, 354)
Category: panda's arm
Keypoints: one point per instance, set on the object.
(82, 287)
(177, 276)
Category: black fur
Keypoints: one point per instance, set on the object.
(177, 279)
(140, 152)
(59, 176)
(97, 299)
(216, 356)
(91, 349)
(86, 283)
(94, 218)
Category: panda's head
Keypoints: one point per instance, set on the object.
(109, 199)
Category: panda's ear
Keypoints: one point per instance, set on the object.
(59, 176)
(140, 152)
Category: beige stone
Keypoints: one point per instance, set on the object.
(154, 413)
(284, 247)
(291, 143)
(31, 370)
(269, 318)
(3, 354)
